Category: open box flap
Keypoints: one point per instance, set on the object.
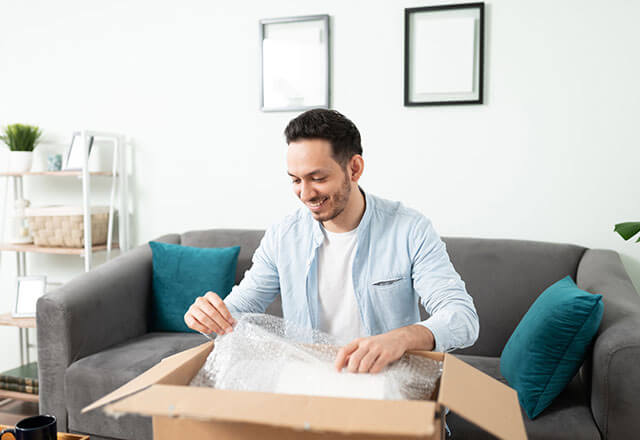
(481, 399)
(165, 372)
(321, 414)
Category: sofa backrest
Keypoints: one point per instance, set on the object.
(504, 277)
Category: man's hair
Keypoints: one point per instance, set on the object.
(342, 134)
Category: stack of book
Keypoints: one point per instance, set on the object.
(23, 379)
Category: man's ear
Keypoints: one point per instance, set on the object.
(356, 166)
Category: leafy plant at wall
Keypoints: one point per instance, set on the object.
(628, 229)
(21, 137)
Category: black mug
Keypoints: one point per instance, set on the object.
(34, 428)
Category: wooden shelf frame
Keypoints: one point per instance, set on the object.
(53, 250)
(26, 397)
(119, 180)
(76, 173)
(7, 320)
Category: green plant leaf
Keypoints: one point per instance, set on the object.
(627, 229)
(21, 137)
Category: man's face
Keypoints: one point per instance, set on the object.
(318, 180)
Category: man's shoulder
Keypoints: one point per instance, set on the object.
(395, 211)
(296, 219)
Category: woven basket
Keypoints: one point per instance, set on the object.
(63, 226)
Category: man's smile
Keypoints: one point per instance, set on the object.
(316, 206)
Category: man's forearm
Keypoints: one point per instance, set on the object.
(417, 337)
(455, 325)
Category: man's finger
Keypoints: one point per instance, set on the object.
(205, 319)
(212, 311)
(220, 306)
(367, 361)
(382, 361)
(194, 324)
(356, 357)
(344, 354)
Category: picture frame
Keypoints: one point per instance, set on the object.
(73, 159)
(444, 55)
(295, 63)
(28, 290)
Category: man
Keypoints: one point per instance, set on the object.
(348, 263)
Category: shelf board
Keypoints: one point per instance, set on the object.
(54, 173)
(8, 320)
(52, 250)
(27, 397)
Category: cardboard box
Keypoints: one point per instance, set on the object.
(181, 411)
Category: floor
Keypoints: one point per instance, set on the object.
(12, 411)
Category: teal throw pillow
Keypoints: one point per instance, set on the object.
(549, 344)
(183, 273)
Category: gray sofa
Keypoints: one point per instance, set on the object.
(93, 335)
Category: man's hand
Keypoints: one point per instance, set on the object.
(372, 354)
(209, 314)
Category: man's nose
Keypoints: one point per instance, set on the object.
(306, 192)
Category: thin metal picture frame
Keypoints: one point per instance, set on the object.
(16, 311)
(324, 18)
(73, 156)
(478, 73)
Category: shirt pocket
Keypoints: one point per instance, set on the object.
(394, 301)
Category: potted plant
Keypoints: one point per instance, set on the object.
(21, 140)
(628, 229)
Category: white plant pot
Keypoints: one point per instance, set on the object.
(20, 161)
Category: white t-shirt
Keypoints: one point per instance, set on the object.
(338, 312)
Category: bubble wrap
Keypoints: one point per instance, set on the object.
(266, 353)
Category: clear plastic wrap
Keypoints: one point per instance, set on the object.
(266, 353)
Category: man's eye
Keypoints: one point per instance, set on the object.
(295, 181)
(319, 179)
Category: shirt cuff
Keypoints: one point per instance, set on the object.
(440, 328)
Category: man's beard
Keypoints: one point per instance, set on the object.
(339, 200)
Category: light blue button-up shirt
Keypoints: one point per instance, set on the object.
(399, 260)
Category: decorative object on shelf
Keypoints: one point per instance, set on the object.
(21, 140)
(444, 54)
(19, 225)
(295, 60)
(28, 290)
(54, 162)
(63, 226)
(74, 159)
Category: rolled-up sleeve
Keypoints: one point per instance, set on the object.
(261, 283)
(453, 318)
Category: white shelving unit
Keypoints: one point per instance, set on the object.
(119, 190)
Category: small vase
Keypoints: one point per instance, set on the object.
(54, 162)
(20, 161)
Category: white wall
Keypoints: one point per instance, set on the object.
(552, 155)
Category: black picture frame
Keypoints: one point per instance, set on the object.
(476, 96)
(325, 100)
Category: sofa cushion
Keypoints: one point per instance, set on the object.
(183, 273)
(550, 343)
(247, 239)
(92, 377)
(567, 418)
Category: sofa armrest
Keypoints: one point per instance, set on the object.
(93, 311)
(615, 376)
